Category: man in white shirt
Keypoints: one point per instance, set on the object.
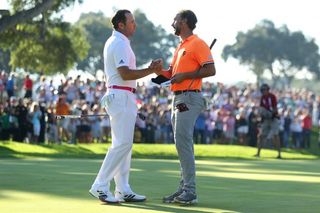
(120, 104)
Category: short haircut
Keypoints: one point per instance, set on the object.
(119, 17)
(190, 17)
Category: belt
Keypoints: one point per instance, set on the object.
(130, 89)
(184, 91)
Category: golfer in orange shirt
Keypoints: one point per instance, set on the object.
(192, 61)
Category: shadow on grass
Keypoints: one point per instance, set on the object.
(195, 208)
(83, 153)
(62, 152)
(6, 152)
(97, 151)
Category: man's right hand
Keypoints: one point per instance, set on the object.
(156, 66)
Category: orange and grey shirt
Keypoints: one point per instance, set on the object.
(190, 55)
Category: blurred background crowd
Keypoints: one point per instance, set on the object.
(28, 110)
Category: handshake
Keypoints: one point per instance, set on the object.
(156, 66)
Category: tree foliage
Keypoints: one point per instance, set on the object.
(38, 40)
(25, 10)
(97, 29)
(150, 41)
(41, 42)
(4, 60)
(266, 47)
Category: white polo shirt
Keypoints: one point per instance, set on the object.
(117, 53)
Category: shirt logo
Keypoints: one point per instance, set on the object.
(121, 62)
(182, 53)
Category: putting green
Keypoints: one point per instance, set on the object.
(61, 185)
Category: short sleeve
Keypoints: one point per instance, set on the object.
(121, 55)
(202, 53)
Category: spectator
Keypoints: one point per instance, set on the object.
(242, 127)
(84, 134)
(200, 129)
(296, 129)
(209, 128)
(53, 136)
(72, 92)
(218, 126)
(43, 123)
(106, 129)
(5, 123)
(286, 127)
(21, 113)
(306, 129)
(10, 86)
(253, 127)
(90, 96)
(95, 124)
(151, 129)
(142, 127)
(36, 116)
(28, 85)
(3, 81)
(13, 120)
(62, 108)
(228, 128)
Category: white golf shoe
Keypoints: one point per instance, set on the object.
(129, 197)
(103, 195)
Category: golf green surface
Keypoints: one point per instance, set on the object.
(224, 185)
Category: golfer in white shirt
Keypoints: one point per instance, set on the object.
(120, 104)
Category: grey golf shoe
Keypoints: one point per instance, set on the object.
(170, 198)
(186, 198)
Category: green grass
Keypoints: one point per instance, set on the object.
(162, 151)
(56, 178)
(224, 185)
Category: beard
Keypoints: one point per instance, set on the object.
(177, 31)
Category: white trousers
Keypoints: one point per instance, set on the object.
(122, 108)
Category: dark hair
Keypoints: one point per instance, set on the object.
(190, 17)
(119, 17)
(264, 87)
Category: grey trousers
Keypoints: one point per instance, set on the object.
(183, 126)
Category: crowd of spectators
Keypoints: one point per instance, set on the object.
(28, 113)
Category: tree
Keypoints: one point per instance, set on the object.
(41, 43)
(61, 47)
(297, 52)
(150, 41)
(97, 29)
(268, 48)
(24, 10)
(4, 60)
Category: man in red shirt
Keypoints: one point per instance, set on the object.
(28, 87)
(306, 129)
(270, 120)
